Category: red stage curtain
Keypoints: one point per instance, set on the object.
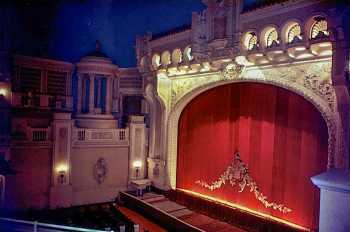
(281, 137)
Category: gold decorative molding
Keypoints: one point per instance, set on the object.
(238, 174)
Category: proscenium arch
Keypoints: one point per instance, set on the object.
(331, 119)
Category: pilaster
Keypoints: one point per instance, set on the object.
(340, 57)
(137, 166)
(61, 188)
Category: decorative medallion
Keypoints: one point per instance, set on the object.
(238, 173)
(232, 71)
(100, 170)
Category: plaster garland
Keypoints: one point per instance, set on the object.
(237, 173)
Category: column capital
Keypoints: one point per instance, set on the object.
(334, 200)
(335, 180)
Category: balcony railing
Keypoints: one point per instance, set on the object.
(32, 135)
(10, 224)
(38, 134)
(42, 101)
(110, 136)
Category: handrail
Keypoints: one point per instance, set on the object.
(35, 223)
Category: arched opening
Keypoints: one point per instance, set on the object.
(282, 139)
(269, 37)
(155, 61)
(319, 28)
(250, 41)
(291, 32)
(188, 54)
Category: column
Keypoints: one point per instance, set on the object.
(69, 84)
(43, 82)
(334, 201)
(99, 92)
(92, 93)
(79, 93)
(115, 103)
(108, 95)
(69, 97)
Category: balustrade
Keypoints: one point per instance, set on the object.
(26, 100)
(102, 135)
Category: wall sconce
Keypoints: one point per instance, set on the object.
(137, 164)
(3, 92)
(62, 173)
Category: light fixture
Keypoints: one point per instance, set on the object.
(62, 170)
(3, 92)
(137, 164)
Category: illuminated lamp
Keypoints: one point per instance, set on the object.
(62, 170)
(137, 164)
(3, 92)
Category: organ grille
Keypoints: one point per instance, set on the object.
(30, 80)
(56, 83)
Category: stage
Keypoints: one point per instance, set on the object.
(173, 216)
(178, 210)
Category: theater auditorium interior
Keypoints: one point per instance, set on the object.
(175, 115)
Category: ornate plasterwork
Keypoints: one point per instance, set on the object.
(181, 86)
(310, 80)
(100, 170)
(237, 173)
(172, 90)
(315, 77)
